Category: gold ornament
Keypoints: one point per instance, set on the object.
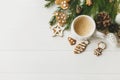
(88, 2)
(81, 47)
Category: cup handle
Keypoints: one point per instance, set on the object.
(99, 34)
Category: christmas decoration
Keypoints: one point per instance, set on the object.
(57, 30)
(81, 47)
(64, 4)
(71, 41)
(101, 47)
(104, 12)
(61, 18)
(113, 28)
(103, 20)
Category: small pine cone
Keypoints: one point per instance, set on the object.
(113, 28)
(78, 9)
(103, 20)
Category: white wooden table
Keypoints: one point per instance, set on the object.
(28, 52)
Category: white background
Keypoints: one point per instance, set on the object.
(28, 52)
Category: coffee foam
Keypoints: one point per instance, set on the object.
(83, 26)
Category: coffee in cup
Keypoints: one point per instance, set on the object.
(83, 27)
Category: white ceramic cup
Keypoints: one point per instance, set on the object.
(88, 25)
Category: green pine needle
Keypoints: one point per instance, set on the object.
(49, 3)
(98, 6)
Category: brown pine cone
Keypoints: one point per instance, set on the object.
(113, 28)
(103, 20)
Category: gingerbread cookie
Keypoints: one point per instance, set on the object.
(57, 30)
(71, 41)
(99, 50)
(61, 18)
(64, 4)
(81, 47)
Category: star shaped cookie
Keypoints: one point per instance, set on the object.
(57, 30)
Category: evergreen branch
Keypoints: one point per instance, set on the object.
(50, 3)
(118, 4)
(97, 6)
(53, 19)
(72, 12)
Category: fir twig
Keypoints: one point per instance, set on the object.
(97, 6)
(50, 3)
(53, 19)
(72, 12)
